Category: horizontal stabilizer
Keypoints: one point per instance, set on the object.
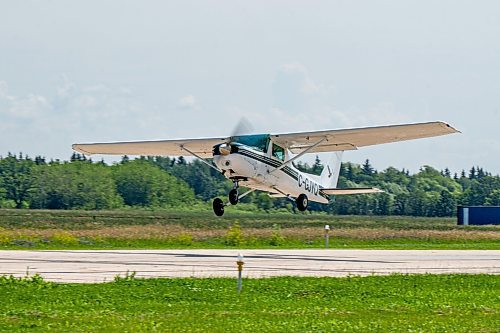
(353, 190)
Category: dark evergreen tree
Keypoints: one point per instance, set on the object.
(367, 169)
(447, 173)
(447, 204)
(472, 173)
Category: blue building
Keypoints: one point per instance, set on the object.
(478, 215)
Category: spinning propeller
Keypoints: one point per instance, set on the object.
(242, 128)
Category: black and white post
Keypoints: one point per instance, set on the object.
(240, 263)
(327, 235)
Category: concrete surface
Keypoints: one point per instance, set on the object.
(103, 265)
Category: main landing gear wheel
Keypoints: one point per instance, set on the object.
(302, 202)
(233, 196)
(218, 206)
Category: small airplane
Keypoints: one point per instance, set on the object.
(264, 162)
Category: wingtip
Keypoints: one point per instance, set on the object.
(76, 147)
(451, 128)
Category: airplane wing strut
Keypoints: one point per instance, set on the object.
(200, 158)
(305, 151)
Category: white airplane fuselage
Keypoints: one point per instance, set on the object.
(256, 170)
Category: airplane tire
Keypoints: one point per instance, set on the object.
(302, 202)
(233, 196)
(218, 206)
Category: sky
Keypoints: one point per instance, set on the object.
(101, 70)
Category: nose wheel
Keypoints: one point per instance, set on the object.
(233, 196)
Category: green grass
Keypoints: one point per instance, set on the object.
(264, 243)
(396, 303)
(143, 229)
(75, 219)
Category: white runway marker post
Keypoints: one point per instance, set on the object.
(327, 235)
(240, 262)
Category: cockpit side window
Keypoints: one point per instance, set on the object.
(278, 152)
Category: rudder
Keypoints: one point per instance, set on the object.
(331, 170)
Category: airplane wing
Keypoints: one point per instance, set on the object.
(352, 190)
(201, 147)
(351, 139)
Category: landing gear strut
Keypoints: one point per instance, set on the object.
(233, 194)
(302, 202)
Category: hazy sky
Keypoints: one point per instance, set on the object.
(84, 71)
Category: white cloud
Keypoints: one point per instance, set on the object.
(303, 103)
(71, 113)
(66, 87)
(188, 102)
(303, 81)
(19, 107)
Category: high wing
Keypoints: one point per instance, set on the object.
(201, 147)
(332, 140)
(351, 139)
(352, 190)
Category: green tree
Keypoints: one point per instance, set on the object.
(264, 201)
(317, 166)
(493, 199)
(77, 185)
(142, 184)
(16, 177)
(367, 168)
(446, 205)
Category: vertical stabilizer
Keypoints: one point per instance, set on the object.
(331, 171)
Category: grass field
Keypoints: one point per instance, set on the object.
(133, 229)
(397, 303)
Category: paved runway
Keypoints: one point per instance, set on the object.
(104, 265)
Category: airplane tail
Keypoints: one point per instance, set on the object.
(331, 170)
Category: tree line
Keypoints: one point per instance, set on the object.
(163, 182)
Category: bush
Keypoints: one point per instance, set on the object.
(276, 239)
(185, 239)
(234, 236)
(64, 237)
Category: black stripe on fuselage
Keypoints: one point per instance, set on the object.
(269, 161)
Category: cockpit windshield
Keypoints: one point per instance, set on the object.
(256, 141)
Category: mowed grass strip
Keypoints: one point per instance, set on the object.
(396, 303)
(39, 229)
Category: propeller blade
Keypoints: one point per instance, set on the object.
(242, 128)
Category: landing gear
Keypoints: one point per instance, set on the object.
(233, 196)
(218, 206)
(302, 202)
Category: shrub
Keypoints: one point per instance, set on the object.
(234, 236)
(64, 237)
(185, 239)
(276, 238)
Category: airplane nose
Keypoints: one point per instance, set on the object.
(222, 161)
(225, 149)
